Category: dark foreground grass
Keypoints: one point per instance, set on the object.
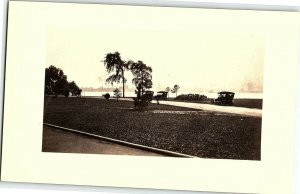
(199, 133)
(246, 103)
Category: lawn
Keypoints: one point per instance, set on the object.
(194, 132)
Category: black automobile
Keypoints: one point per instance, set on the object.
(224, 98)
(161, 95)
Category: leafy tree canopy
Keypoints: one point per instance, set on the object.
(114, 63)
(175, 89)
(56, 83)
(142, 76)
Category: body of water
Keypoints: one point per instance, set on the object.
(172, 95)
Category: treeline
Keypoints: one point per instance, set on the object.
(56, 83)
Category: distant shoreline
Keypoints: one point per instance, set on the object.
(237, 102)
(238, 95)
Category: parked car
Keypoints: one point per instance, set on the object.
(161, 95)
(224, 98)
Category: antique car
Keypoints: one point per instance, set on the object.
(161, 95)
(224, 98)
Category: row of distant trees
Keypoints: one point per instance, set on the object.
(173, 90)
(56, 83)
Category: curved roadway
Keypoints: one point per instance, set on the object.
(210, 107)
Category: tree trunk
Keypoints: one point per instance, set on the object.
(142, 83)
(123, 84)
(123, 89)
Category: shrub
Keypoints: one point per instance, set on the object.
(106, 96)
(117, 93)
(144, 100)
(191, 97)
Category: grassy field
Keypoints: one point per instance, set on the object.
(247, 103)
(199, 133)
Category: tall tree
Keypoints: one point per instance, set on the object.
(175, 89)
(114, 63)
(55, 81)
(142, 76)
(168, 89)
(74, 89)
(61, 86)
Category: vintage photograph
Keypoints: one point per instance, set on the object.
(150, 97)
(153, 85)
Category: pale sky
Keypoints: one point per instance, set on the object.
(180, 45)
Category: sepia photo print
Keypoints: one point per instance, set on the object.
(156, 97)
(149, 83)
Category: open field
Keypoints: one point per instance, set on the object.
(247, 103)
(194, 132)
